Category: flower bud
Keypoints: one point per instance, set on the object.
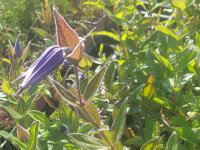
(22, 134)
(81, 76)
(18, 48)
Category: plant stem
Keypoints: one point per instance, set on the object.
(78, 86)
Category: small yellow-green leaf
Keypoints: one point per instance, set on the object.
(94, 83)
(88, 142)
(22, 134)
(86, 61)
(148, 91)
(179, 3)
(106, 33)
(151, 144)
(166, 31)
(6, 60)
(6, 88)
(25, 52)
(119, 123)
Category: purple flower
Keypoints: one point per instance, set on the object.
(81, 76)
(18, 48)
(45, 64)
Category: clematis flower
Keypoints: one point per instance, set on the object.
(18, 48)
(51, 59)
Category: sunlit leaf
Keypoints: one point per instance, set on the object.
(86, 61)
(151, 144)
(106, 33)
(67, 37)
(22, 134)
(68, 117)
(109, 76)
(172, 142)
(166, 31)
(25, 52)
(37, 115)
(179, 3)
(33, 142)
(119, 122)
(94, 83)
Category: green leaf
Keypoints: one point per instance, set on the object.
(33, 135)
(146, 22)
(179, 3)
(119, 123)
(162, 102)
(186, 134)
(106, 33)
(18, 143)
(190, 27)
(87, 142)
(83, 84)
(11, 111)
(180, 121)
(166, 31)
(6, 88)
(65, 94)
(164, 61)
(116, 89)
(92, 111)
(94, 83)
(86, 61)
(151, 144)
(172, 143)
(37, 115)
(148, 129)
(109, 76)
(68, 117)
(41, 32)
(25, 52)
(6, 60)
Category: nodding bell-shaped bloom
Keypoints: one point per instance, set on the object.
(18, 48)
(51, 59)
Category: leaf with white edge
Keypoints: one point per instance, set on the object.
(67, 37)
(88, 142)
(25, 52)
(151, 144)
(76, 56)
(65, 94)
(37, 115)
(18, 143)
(172, 143)
(119, 122)
(33, 142)
(94, 83)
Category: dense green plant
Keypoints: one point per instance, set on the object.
(149, 98)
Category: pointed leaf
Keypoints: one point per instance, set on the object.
(76, 56)
(67, 37)
(25, 52)
(172, 143)
(37, 115)
(64, 93)
(166, 31)
(33, 136)
(41, 32)
(119, 122)
(151, 144)
(22, 134)
(106, 33)
(109, 76)
(18, 143)
(88, 142)
(94, 83)
(92, 111)
(68, 117)
(11, 55)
